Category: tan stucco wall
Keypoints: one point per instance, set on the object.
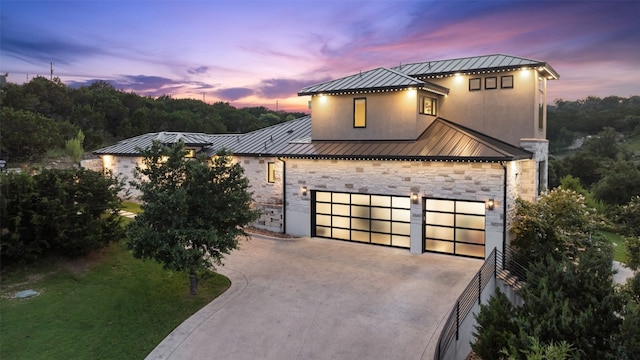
(506, 114)
(390, 116)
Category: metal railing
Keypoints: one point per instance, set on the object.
(505, 265)
(471, 294)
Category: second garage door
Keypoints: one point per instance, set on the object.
(375, 219)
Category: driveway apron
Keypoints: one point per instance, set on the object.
(313, 298)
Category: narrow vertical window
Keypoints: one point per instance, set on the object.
(271, 172)
(359, 112)
(428, 106)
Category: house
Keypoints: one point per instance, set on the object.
(427, 156)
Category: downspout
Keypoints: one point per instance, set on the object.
(504, 213)
(284, 195)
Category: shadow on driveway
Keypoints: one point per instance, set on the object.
(323, 299)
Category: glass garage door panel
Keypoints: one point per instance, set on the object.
(374, 219)
(454, 227)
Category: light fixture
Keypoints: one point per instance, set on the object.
(414, 198)
(491, 204)
(303, 190)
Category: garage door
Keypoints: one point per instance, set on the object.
(374, 219)
(454, 227)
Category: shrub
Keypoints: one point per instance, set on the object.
(68, 212)
(74, 148)
(495, 329)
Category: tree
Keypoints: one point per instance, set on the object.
(193, 211)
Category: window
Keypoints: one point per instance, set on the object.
(506, 82)
(474, 84)
(359, 112)
(428, 106)
(540, 110)
(271, 172)
(191, 153)
(490, 83)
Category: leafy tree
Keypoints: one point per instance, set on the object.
(26, 135)
(619, 184)
(193, 211)
(74, 148)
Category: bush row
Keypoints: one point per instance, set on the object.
(65, 212)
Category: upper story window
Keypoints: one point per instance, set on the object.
(271, 172)
(359, 112)
(428, 106)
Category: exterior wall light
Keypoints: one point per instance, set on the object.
(303, 190)
(414, 198)
(491, 204)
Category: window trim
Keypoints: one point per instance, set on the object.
(355, 113)
(475, 84)
(506, 82)
(271, 172)
(434, 106)
(490, 83)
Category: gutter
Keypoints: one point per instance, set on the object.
(284, 195)
(504, 213)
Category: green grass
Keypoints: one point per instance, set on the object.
(619, 246)
(131, 207)
(105, 306)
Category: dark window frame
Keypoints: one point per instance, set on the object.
(355, 106)
(506, 82)
(473, 86)
(490, 83)
(434, 106)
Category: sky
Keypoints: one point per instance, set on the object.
(262, 53)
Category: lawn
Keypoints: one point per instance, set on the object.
(619, 246)
(105, 306)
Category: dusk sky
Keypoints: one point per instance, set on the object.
(254, 53)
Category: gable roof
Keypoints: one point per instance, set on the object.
(130, 146)
(443, 140)
(376, 79)
(474, 64)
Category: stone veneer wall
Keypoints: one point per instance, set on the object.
(540, 150)
(450, 180)
(267, 196)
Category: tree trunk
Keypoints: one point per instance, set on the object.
(193, 283)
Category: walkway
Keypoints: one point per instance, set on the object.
(323, 299)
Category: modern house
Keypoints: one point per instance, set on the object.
(427, 156)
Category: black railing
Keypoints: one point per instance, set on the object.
(464, 304)
(505, 265)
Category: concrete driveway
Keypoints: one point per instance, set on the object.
(323, 299)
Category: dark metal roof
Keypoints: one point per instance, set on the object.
(263, 142)
(443, 140)
(376, 79)
(473, 64)
(130, 146)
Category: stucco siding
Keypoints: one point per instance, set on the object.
(508, 114)
(390, 116)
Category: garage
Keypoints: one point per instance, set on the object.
(366, 218)
(454, 227)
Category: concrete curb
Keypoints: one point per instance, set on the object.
(169, 344)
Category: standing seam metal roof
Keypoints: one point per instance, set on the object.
(443, 140)
(475, 63)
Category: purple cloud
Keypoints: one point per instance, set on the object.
(199, 70)
(232, 94)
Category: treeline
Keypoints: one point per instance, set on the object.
(42, 114)
(571, 120)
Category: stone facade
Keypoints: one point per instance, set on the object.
(267, 196)
(448, 180)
